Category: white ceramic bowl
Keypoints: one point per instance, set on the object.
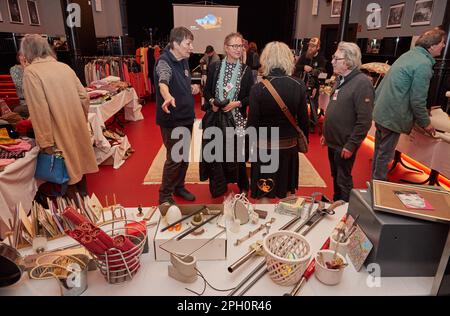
(325, 275)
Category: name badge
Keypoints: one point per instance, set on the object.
(186, 73)
(229, 87)
(335, 95)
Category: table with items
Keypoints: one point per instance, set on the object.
(223, 237)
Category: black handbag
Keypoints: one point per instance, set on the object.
(302, 142)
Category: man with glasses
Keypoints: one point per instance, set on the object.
(309, 66)
(401, 98)
(348, 117)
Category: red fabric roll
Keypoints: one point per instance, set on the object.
(76, 218)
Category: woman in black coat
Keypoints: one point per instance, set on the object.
(226, 93)
(277, 63)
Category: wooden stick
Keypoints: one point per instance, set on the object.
(12, 232)
(150, 214)
(107, 203)
(114, 198)
(184, 218)
(197, 227)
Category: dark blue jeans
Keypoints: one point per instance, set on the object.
(385, 143)
(341, 171)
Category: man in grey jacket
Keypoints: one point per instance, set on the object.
(348, 117)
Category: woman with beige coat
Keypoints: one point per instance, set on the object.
(58, 106)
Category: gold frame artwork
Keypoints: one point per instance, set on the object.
(385, 200)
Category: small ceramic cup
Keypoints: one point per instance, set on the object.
(343, 247)
(325, 275)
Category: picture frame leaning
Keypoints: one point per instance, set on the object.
(15, 12)
(33, 12)
(395, 17)
(423, 11)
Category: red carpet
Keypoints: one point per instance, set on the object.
(145, 138)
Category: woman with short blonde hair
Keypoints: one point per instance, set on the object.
(277, 55)
(277, 62)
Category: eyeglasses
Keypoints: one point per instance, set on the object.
(336, 58)
(236, 46)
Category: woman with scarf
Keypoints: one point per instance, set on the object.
(226, 93)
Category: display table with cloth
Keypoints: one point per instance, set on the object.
(429, 151)
(100, 113)
(18, 185)
(432, 152)
(126, 99)
(153, 279)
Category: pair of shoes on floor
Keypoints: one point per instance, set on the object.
(128, 153)
(185, 194)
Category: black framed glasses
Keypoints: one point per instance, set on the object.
(337, 58)
(236, 46)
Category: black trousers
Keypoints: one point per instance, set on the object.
(341, 171)
(174, 173)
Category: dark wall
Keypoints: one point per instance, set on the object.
(258, 21)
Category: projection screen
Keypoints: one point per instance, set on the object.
(209, 24)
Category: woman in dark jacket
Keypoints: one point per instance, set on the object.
(277, 64)
(226, 93)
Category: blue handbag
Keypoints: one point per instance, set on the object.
(51, 168)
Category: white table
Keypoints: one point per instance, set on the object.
(431, 152)
(153, 280)
(127, 99)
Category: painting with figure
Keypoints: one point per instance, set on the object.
(33, 12)
(396, 15)
(423, 10)
(15, 13)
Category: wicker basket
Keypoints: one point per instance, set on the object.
(287, 256)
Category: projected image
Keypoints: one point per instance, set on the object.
(209, 22)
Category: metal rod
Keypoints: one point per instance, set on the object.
(242, 260)
(184, 218)
(233, 267)
(250, 285)
(248, 277)
(188, 232)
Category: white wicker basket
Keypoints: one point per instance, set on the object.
(287, 256)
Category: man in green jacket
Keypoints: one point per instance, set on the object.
(401, 98)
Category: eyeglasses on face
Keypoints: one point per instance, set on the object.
(336, 58)
(236, 46)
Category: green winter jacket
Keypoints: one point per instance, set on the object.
(401, 98)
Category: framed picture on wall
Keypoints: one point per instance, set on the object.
(396, 15)
(33, 13)
(423, 10)
(15, 13)
(336, 6)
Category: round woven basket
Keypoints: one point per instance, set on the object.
(287, 256)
